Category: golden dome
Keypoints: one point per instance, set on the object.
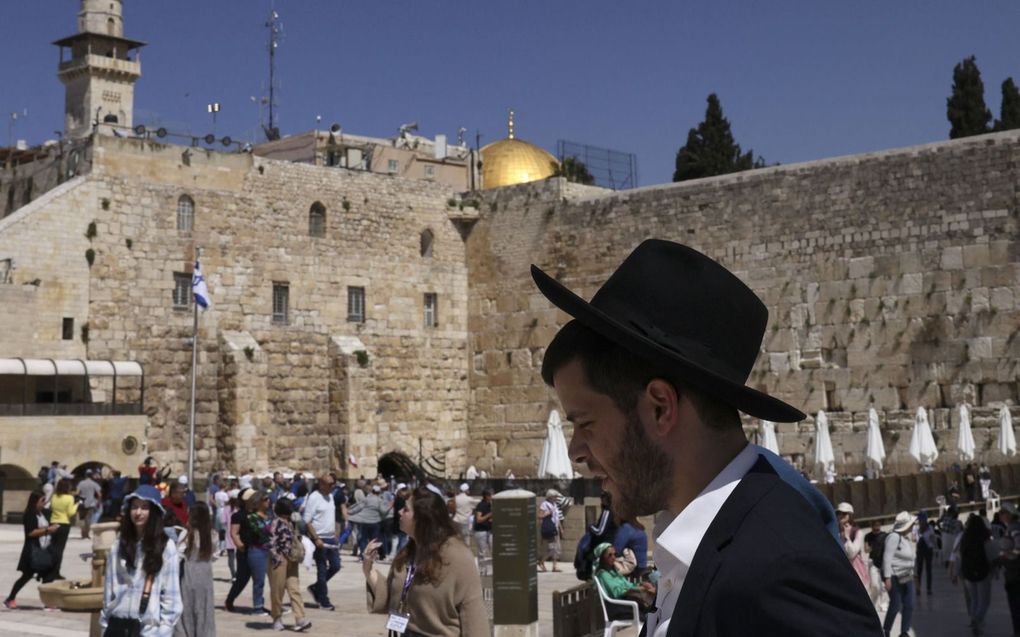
(513, 161)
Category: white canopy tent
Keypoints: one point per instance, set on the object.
(874, 454)
(922, 443)
(58, 369)
(1007, 437)
(555, 461)
(768, 436)
(965, 438)
(825, 458)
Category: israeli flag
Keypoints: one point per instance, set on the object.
(199, 288)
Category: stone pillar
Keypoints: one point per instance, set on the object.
(352, 400)
(243, 395)
(514, 560)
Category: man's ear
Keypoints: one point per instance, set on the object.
(664, 402)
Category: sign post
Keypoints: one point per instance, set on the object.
(514, 559)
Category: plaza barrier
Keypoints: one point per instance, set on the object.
(576, 612)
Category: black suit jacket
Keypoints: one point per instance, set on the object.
(767, 567)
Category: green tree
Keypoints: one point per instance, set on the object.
(710, 149)
(574, 170)
(966, 108)
(1009, 112)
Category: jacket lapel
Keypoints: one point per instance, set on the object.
(709, 556)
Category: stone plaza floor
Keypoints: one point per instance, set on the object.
(938, 615)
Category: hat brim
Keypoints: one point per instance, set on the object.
(903, 527)
(131, 496)
(738, 395)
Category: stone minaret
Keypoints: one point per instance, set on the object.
(100, 73)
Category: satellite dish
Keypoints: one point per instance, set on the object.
(334, 128)
(160, 132)
(140, 129)
(210, 138)
(226, 141)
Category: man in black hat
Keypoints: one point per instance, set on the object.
(652, 374)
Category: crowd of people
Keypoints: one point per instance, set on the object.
(896, 566)
(159, 579)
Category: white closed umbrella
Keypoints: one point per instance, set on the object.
(922, 443)
(825, 459)
(965, 438)
(768, 436)
(1007, 438)
(555, 462)
(874, 454)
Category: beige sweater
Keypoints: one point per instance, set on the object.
(451, 608)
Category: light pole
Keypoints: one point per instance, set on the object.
(213, 109)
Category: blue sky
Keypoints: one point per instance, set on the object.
(799, 80)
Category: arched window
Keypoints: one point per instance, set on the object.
(111, 27)
(185, 214)
(427, 239)
(317, 220)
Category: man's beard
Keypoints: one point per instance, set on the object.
(644, 474)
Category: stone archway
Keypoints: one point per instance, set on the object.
(399, 466)
(16, 483)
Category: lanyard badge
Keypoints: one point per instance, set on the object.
(399, 620)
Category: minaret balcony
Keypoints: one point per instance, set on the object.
(100, 64)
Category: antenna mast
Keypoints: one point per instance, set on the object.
(275, 27)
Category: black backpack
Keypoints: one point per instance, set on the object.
(878, 549)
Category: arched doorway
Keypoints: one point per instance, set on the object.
(16, 483)
(399, 466)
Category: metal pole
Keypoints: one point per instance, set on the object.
(194, 368)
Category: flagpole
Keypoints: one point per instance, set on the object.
(194, 366)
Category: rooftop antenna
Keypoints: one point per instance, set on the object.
(275, 37)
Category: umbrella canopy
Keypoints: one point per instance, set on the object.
(965, 439)
(875, 453)
(825, 459)
(768, 436)
(1007, 438)
(922, 443)
(555, 462)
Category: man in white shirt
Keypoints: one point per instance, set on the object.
(652, 375)
(465, 507)
(320, 521)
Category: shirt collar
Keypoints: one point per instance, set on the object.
(681, 535)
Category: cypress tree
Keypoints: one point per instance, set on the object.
(966, 108)
(710, 148)
(1009, 112)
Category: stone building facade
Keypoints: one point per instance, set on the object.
(892, 279)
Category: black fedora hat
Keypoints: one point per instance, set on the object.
(678, 308)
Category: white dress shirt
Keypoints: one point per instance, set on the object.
(677, 537)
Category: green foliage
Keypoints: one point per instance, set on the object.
(90, 232)
(710, 149)
(966, 108)
(1009, 113)
(249, 353)
(85, 333)
(128, 242)
(346, 205)
(90, 256)
(362, 357)
(574, 170)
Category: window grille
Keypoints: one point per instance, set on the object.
(185, 214)
(182, 290)
(431, 309)
(281, 302)
(317, 220)
(356, 304)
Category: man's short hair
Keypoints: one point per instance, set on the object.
(622, 375)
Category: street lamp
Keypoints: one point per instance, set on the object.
(213, 109)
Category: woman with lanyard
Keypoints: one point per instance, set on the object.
(433, 588)
(141, 592)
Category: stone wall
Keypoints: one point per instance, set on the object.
(892, 279)
(251, 221)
